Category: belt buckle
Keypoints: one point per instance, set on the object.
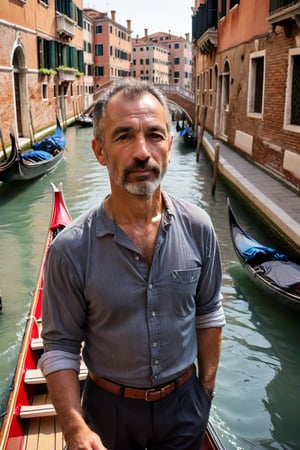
(148, 392)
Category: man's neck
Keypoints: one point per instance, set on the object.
(138, 210)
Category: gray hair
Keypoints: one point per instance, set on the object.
(131, 89)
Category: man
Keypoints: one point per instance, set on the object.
(137, 279)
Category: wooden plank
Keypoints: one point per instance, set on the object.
(47, 433)
(34, 425)
(36, 343)
(31, 411)
(35, 376)
(44, 433)
(59, 438)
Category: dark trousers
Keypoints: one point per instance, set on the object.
(177, 422)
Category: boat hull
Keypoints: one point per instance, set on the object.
(289, 298)
(18, 168)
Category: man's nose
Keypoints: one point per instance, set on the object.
(141, 148)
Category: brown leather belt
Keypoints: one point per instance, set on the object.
(149, 395)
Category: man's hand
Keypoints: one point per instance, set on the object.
(86, 440)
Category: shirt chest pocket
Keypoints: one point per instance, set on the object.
(184, 285)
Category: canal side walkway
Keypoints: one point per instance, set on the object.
(278, 205)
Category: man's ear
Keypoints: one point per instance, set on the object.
(98, 152)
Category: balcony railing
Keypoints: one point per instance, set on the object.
(65, 26)
(283, 12)
(278, 4)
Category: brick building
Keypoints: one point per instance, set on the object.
(180, 57)
(88, 57)
(150, 61)
(112, 47)
(247, 66)
(41, 54)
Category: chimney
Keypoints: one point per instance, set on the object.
(187, 36)
(146, 32)
(129, 25)
(113, 16)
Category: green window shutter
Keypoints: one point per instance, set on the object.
(80, 61)
(52, 55)
(64, 55)
(40, 49)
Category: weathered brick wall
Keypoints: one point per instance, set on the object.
(270, 137)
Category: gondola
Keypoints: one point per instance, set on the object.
(30, 421)
(272, 270)
(43, 157)
(187, 134)
(84, 120)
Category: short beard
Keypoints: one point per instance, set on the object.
(146, 188)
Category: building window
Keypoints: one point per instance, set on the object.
(99, 71)
(292, 97)
(99, 50)
(233, 3)
(256, 84)
(177, 60)
(176, 45)
(223, 8)
(45, 91)
(98, 29)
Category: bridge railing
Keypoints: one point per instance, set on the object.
(174, 88)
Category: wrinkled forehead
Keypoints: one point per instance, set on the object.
(146, 106)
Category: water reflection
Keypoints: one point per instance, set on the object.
(273, 353)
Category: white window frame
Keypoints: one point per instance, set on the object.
(251, 85)
(288, 94)
(45, 86)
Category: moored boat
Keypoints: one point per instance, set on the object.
(42, 158)
(26, 410)
(30, 421)
(270, 269)
(84, 120)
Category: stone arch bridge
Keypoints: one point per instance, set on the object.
(178, 97)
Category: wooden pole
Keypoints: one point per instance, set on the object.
(215, 171)
(200, 135)
(31, 129)
(2, 143)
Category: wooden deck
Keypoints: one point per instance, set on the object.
(44, 432)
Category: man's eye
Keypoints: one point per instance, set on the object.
(157, 136)
(124, 137)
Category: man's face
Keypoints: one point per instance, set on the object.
(137, 145)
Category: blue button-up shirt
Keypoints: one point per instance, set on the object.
(138, 323)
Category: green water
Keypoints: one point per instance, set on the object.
(258, 378)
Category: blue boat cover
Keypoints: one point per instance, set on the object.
(250, 249)
(49, 144)
(36, 156)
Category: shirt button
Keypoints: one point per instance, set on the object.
(137, 258)
(155, 344)
(150, 286)
(156, 362)
(153, 313)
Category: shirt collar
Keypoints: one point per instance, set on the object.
(104, 224)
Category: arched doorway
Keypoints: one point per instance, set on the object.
(20, 91)
(222, 108)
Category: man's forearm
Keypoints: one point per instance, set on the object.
(209, 350)
(64, 391)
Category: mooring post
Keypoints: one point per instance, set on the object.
(215, 171)
(200, 134)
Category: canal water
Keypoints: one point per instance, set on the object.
(256, 405)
